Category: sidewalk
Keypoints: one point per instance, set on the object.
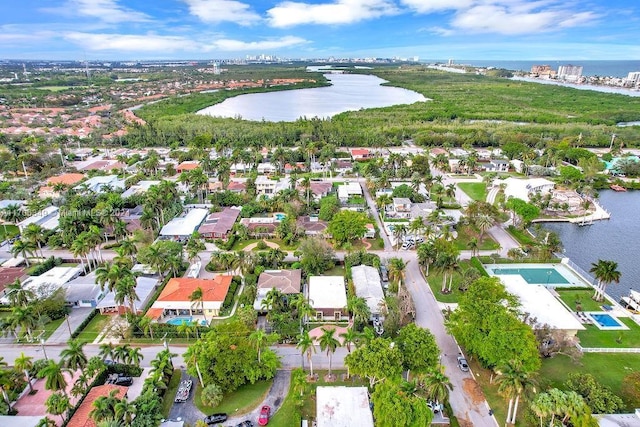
(76, 317)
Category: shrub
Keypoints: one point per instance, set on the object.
(262, 245)
(47, 265)
(233, 288)
(212, 395)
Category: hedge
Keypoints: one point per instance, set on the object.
(84, 324)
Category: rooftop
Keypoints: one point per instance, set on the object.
(343, 407)
(184, 225)
(327, 292)
(66, 179)
(181, 288)
(368, 285)
(286, 281)
(81, 417)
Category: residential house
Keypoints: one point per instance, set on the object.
(270, 187)
(401, 207)
(497, 166)
(99, 184)
(371, 231)
(82, 416)
(522, 188)
(312, 225)
(187, 166)
(343, 166)
(343, 406)
(67, 179)
(48, 282)
(8, 275)
(347, 190)
(139, 188)
(361, 153)
(328, 297)
(368, 285)
(261, 227)
(287, 282)
(237, 187)
(317, 190)
(103, 166)
(131, 217)
(175, 298)
(145, 288)
(182, 227)
(218, 225)
(84, 291)
(267, 168)
(47, 218)
(454, 165)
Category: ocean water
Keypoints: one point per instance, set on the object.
(590, 68)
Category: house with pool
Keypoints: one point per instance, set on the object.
(175, 304)
(537, 286)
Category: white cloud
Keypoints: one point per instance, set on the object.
(426, 6)
(238, 45)
(129, 42)
(106, 10)
(290, 13)
(215, 11)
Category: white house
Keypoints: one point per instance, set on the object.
(522, 188)
(328, 297)
(48, 282)
(349, 189)
(266, 168)
(145, 286)
(270, 187)
(98, 183)
(368, 285)
(343, 407)
(184, 226)
(47, 218)
(83, 291)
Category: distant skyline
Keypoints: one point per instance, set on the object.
(429, 29)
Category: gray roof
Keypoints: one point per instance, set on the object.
(368, 285)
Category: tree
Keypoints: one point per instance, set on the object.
(197, 298)
(53, 372)
(437, 384)
(520, 208)
(58, 404)
(212, 395)
(393, 407)
(25, 364)
(396, 270)
(124, 411)
(316, 256)
(306, 347)
(18, 295)
(25, 248)
(420, 352)
(599, 398)
(260, 339)
(329, 206)
(606, 272)
(513, 381)
(73, 356)
(347, 226)
(377, 360)
(359, 309)
(329, 343)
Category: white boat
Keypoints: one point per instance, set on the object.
(632, 302)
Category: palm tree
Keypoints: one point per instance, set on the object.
(18, 295)
(58, 404)
(473, 246)
(145, 324)
(329, 343)
(437, 385)
(35, 234)
(73, 356)
(25, 248)
(512, 383)
(396, 270)
(197, 299)
(128, 248)
(360, 312)
(121, 353)
(25, 318)
(106, 351)
(606, 272)
(13, 213)
(260, 338)
(135, 356)
(484, 223)
(306, 346)
(542, 406)
(25, 364)
(5, 383)
(185, 328)
(302, 307)
(125, 411)
(53, 372)
(399, 231)
(351, 336)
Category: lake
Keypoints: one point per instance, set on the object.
(348, 92)
(617, 239)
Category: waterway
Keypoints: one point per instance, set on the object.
(617, 239)
(348, 92)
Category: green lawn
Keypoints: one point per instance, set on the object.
(522, 236)
(609, 368)
(571, 297)
(50, 327)
(435, 282)
(239, 402)
(466, 233)
(594, 337)
(8, 230)
(338, 270)
(475, 190)
(170, 393)
(94, 328)
(288, 415)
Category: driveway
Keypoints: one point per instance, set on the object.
(187, 411)
(76, 317)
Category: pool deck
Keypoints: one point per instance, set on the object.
(573, 278)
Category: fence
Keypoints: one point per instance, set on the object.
(580, 271)
(607, 349)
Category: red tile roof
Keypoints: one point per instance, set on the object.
(181, 288)
(187, 166)
(8, 275)
(81, 417)
(67, 179)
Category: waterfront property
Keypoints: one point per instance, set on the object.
(606, 321)
(549, 275)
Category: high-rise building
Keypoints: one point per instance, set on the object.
(570, 72)
(633, 78)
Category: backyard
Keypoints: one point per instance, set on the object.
(466, 233)
(475, 190)
(435, 282)
(594, 337)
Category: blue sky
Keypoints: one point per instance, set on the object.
(430, 29)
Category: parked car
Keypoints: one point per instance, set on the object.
(215, 419)
(462, 364)
(265, 413)
(435, 407)
(246, 423)
(119, 379)
(384, 273)
(184, 389)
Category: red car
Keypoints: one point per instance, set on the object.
(265, 413)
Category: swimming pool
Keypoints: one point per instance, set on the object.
(606, 321)
(177, 321)
(537, 276)
(279, 216)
